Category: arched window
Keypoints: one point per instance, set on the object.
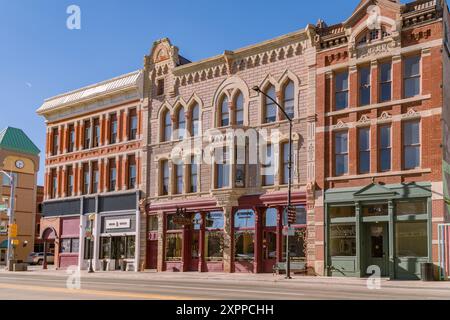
(289, 98)
(195, 125)
(239, 107)
(224, 117)
(181, 124)
(167, 126)
(270, 108)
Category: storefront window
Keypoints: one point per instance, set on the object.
(301, 216)
(271, 217)
(214, 246)
(296, 246)
(270, 245)
(375, 210)
(70, 245)
(214, 220)
(131, 247)
(411, 207)
(343, 240)
(244, 219)
(197, 221)
(244, 245)
(342, 212)
(411, 239)
(174, 243)
(195, 245)
(105, 248)
(171, 225)
(153, 223)
(65, 245)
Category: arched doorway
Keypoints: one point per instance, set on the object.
(49, 237)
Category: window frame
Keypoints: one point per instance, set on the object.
(382, 82)
(417, 76)
(417, 145)
(342, 154)
(341, 91)
(269, 104)
(362, 151)
(381, 148)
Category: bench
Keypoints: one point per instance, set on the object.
(295, 267)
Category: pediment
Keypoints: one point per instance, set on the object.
(375, 191)
(361, 10)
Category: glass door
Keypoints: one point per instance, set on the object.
(377, 248)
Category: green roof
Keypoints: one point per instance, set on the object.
(16, 140)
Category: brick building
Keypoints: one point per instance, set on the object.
(195, 111)
(380, 118)
(92, 173)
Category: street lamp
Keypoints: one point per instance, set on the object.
(288, 255)
(10, 255)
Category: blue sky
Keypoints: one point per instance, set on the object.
(40, 57)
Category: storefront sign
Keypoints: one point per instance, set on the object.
(3, 228)
(118, 224)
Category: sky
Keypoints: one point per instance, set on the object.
(40, 57)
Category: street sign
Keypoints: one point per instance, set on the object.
(12, 230)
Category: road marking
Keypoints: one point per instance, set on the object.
(115, 294)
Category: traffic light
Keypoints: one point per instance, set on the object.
(292, 215)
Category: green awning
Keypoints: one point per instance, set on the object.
(4, 244)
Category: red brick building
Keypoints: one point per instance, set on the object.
(381, 112)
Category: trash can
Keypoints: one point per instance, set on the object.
(427, 272)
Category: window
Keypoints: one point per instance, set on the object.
(364, 150)
(130, 247)
(222, 167)
(285, 161)
(181, 124)
(70, 181)
(411, 145)
(95, 177)
(411, 77)
(167, 126)
(105, 248)
(195, 245)
(174, 244)
(289, 99)
(195, 121)
(132, 172)
(86, 178)
(342, 212)
(54, 183)
(343, 240)
(55, 142)
(132, 134)
(385, 82)
(300, 216)
(71, 138)
(224, 119)
(179, 173)
(268, 167)
(341, 153)
(270, 111)
(165, 177)
(87, 135)
(411, 207)
(239, 106)
(113, 129)
(171, 225)
(160, 87)
(88, 249)
(6, 182)
(96, 139)
(375, 210)
(71, 245)
(364, 86)
(193, 171)
(341, 90)
(214, 245)
(411, 239)
(296, 246)
(153, 223)
(244, 225)
(385, 148)
(112, 175)
(271, 217)
(214, 220)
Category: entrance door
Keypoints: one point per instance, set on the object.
(152, 254)
(376, 247)
(2, 256)
(269, 249)
(118, 250)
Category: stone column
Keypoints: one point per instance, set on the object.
(228, 234)
(161, 238)
(185, 249)
(258, 241)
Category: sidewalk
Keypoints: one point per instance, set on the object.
(150, 275)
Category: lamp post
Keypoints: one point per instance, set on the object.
(288, 255)
(10, 255)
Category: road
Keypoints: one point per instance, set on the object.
(25, 286)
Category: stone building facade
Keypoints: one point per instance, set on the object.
(380, 109)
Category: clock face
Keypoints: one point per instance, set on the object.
(20, 164)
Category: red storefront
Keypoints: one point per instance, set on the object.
(253, 231)
(69, 242)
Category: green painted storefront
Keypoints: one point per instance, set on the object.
(378, 227)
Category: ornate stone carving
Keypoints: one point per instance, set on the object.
(411, 114)
(385, 117)
(364, 121)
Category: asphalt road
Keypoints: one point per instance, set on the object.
(19, 286)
